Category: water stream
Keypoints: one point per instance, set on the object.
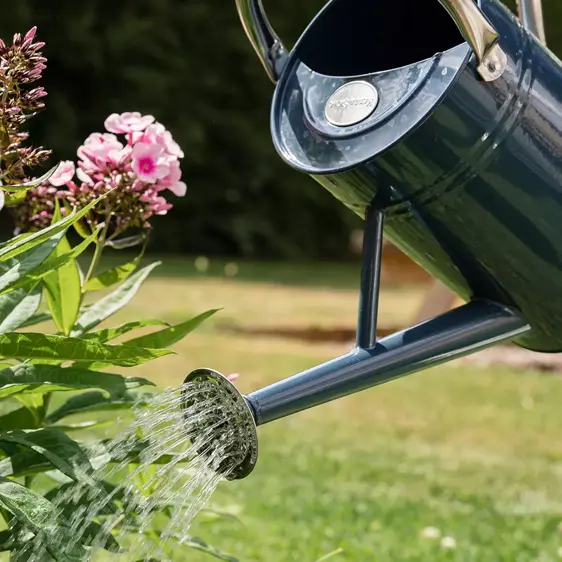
(148, 506)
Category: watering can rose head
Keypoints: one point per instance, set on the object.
(135, 171)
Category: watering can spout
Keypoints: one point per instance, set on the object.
(473, 326)
(464, 330)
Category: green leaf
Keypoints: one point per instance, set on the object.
(82, 230)
(23, 243)
(10, 540)
(54, 262)
(94, 532)
(22, 418)
(36, 319)
(330, 555)
(17, 307)
(112, 333)
(24, 463)
(35, 404)
(29, 508)
(82, 425)
(72, 497)
(34, 512)
(27, 462)
(32, 183)
(59, 449)
(14, 270)
(14, 198)
(128, 242)
(30, 379)
(61, 348)
(83, 495)
(113, 302)
(31, 401)
(199, 544)
(95, 401)
(112, 276)
(136, 453)
(169, 336)
(46, 315)
(63, 286)
(6, 540)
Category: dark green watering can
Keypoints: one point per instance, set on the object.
(440, 122)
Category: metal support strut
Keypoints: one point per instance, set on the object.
(370, 279)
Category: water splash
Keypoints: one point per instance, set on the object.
(183, 442)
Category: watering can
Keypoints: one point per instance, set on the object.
(440, 123)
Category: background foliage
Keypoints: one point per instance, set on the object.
(189, 64)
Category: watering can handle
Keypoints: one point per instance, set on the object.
(475, 28)
(530, 12)
(265, 41)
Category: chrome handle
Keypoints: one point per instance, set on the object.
(265, 41)
(480, 35)
(530, 12)
(475, 28)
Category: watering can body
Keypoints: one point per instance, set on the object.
(387, 105)
(443, 129)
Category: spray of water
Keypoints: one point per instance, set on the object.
(185, 443)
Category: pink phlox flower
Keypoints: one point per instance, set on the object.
(63, 174)
(85, 163)
(118, 157)
(129, 122)
(72, 187)
(157, 133)
(138, 185)
(45, 191)
(83, 176)
(172, 180)
(156, 204)
(98, 147)
(160, 206)
(149, 162)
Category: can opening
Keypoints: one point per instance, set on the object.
(354, 37)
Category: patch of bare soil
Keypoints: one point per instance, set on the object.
(307, 334)
(499, 355)
(514, 357)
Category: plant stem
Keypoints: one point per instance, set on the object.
(97, 253)
(43, 410)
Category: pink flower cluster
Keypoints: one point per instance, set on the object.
(151, 152)
(135, 171)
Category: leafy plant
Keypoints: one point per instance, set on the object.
(41, 280)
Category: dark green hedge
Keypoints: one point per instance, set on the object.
(188, 63)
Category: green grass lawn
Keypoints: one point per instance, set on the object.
(475, 453)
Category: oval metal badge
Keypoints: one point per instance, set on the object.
(351, 103)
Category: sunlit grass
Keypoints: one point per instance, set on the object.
(475, 454)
